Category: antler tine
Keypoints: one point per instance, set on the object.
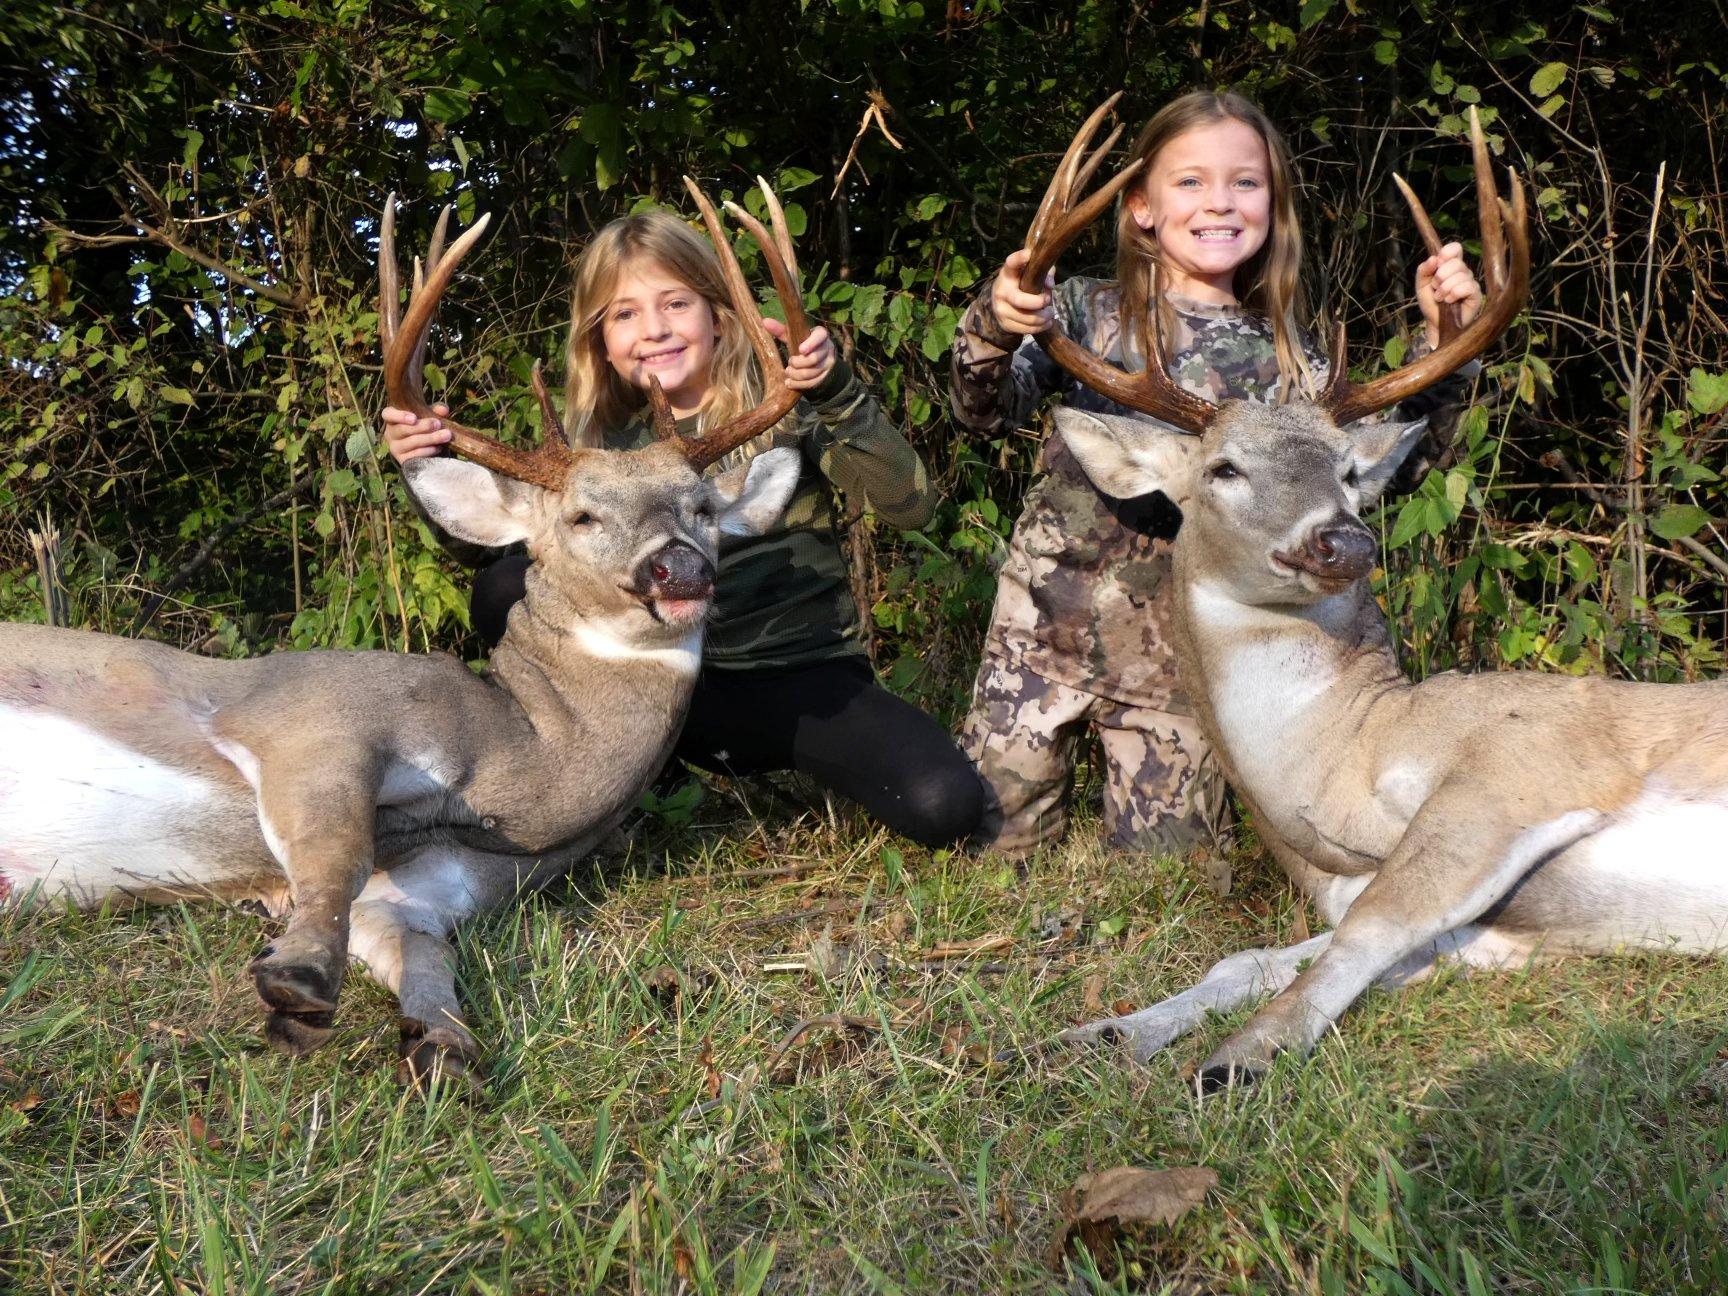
(1095, 161)
(440, 229)
(1059, 194)
(1451, 319)
(1488, 208)
(389, 282)
(665, 420)
(743, 300)
(1058, 224)
(404, 349)
(783, 273)
(777, 397)
(1507, 289)
(777, 218)
(551, 426)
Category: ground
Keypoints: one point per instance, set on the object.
(652, 1122)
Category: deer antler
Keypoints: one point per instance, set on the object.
(1057, 224)
(1506, 275)
(404, 339)
(777, 397)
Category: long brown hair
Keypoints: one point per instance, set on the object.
(596, 399)
(1269, 283)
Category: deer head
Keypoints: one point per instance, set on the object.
(1271, 494)
(628, 538)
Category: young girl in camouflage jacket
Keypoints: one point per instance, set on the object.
(785, 682)
(1208, 261)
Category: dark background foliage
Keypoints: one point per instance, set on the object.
(190, 191)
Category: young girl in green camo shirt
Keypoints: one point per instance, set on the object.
(785, 682)
(1209, 263)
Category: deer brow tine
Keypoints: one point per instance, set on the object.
(743, 300)
(551, 426)
(665, 420)
(785, 281)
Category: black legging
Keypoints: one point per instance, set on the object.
(830, 720)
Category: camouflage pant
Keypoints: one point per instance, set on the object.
(1163, 789)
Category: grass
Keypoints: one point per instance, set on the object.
(1561, 1129)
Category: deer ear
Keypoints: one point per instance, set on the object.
(751, 497)
(1128, 457)
(1379, 449)
(472, 503)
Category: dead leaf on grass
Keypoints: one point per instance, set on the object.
(126, 1105)
(1100, 1207)
(1092, 997)
(28, 1103)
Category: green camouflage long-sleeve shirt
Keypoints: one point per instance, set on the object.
(783, 598)
(1083, 598)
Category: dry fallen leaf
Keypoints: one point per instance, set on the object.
(1092, 997)
(126, 1105)
(665, 985)
(1099, 1206)
(29, 1102)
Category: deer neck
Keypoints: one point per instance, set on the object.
(1283, 690)
(581, 677)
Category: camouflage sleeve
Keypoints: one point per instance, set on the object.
(465, 552)
(999, 377)
(852, 443)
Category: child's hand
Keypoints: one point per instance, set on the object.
(809, 366)
(408, 437)
(1018, 311)
(1446, 278)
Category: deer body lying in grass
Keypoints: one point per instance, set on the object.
(379, 799)
(1485, 818)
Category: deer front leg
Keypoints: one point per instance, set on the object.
(320, 829)
(1232, 982)
(1467, 846)
(419, 968)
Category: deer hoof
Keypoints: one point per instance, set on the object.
(1215, 1077)
(298, 987)
(437, 1054)
(297, 1034)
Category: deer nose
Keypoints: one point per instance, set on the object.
(676, 571)
(1344, 550)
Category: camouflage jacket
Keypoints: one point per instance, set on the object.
(783, 598)
(1082, 598)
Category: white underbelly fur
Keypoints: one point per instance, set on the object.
(83, 818)
(1656, 877)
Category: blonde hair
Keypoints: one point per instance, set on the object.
(1269, 283)
(597, 400)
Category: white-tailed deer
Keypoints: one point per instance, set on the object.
(379, 799)
(1487, 818)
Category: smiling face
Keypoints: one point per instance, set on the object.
(657, 326)
(1207, 198)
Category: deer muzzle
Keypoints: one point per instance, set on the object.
(1335, 553)
(675, 582)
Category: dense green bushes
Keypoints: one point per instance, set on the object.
(187, 314)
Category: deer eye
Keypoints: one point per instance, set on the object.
(1352, 478)
(1224, 470)
(582, 519)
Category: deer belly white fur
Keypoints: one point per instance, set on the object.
(83, 818)
(1655, 877)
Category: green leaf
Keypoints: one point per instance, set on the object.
(179, 395)
(931, 205)
(1313, 11)
(445, 105)
(1678, 521)
(790, 178)
(1706, 393)
(1385, 52)
(1548, 78)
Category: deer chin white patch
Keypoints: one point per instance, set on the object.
(597, 639)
